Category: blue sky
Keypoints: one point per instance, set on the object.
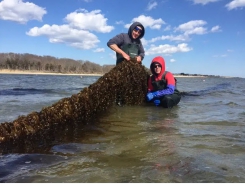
(194, 36)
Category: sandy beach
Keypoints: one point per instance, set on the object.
(6, 71)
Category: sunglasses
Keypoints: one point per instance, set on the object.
(157, 66)
(138, 30)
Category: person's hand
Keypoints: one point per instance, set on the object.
(138, 59)
(125, 56)
(157, 102)
(150, 96)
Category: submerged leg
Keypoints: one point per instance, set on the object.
(169, 101)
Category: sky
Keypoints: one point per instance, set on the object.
(194, 36)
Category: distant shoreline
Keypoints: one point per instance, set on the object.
(6, 71)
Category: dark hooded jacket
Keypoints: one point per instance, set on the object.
(123, 39)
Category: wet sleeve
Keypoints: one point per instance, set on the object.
(170, 85)
(168, 91)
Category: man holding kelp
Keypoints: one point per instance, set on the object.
(128, 45)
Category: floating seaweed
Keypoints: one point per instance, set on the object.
(127, 80)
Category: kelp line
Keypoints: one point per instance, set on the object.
(127, 80)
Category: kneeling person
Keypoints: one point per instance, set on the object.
(162, 85)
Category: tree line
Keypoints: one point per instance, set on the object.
(49, 64)
(31, 62)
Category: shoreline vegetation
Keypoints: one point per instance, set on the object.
(27, 72)
(30, 64)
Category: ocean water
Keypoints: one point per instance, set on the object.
(200, 140)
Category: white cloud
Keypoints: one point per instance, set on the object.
(81, 39)
(147, 21)
(215, 29)
(99, 50)
(204, 2)
(151, 5)
(220, 56)
(119, 22)
(193, 27)
(235, 4)
(186, 29)
(167, 28)
(170, 38)
(93, 21)
(167, 49)
(172, 60)
(144, 42)
(77, 33)
(197, 30)
(113, 55)
(19, 11)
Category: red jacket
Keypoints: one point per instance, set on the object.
(168, 77)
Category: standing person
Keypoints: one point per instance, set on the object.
(128, 45)
(162, 85)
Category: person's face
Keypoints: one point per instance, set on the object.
(157, 68)
(136, 32)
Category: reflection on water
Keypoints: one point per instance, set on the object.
(200, 140)
(136, 144)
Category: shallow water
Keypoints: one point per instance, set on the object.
(200, 140)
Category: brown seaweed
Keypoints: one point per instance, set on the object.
(127, 80)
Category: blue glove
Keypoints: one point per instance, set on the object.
(150, 96)
(157, 102)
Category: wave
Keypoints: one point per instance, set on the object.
(34, 91)
(24, 91)
(216, 88)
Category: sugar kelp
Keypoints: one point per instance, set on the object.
(127, 81)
